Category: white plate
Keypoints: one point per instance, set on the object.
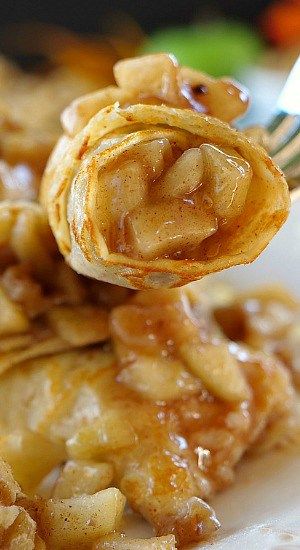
(261, 511)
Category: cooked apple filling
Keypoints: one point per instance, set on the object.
(165, 201)
(162, 416)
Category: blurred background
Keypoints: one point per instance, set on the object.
(255, 41)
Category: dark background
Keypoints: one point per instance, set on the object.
(92, 15)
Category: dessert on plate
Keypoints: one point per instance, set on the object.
(133, 397)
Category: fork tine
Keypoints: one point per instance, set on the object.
(293, 174)
(285, 133)
(289, 155)
(284, 128)
(276, 121)
(281, 129)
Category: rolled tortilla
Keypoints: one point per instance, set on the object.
(149, 196)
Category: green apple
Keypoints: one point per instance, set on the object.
(218, 48)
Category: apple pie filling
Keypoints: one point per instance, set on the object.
(165, 202)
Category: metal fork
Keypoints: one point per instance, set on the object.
(284, 128)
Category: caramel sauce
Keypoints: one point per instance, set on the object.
(167, 454)
(201, 97)
(207, 434)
